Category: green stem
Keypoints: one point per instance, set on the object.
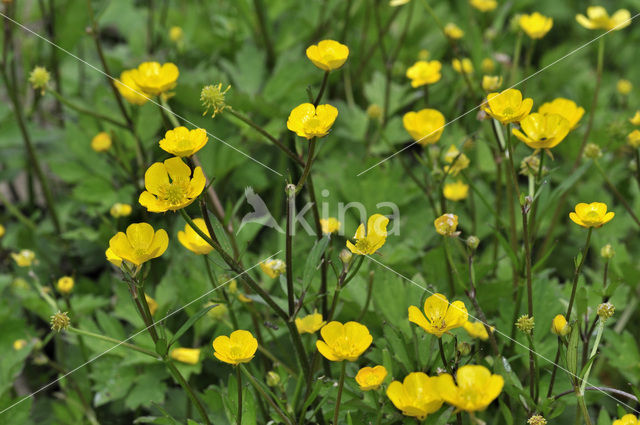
(239, 383)
(615, 191)
(336, 412)
(147, 312)
(113, 340)
(262, 27)
(576, 274)
(516, 59)
(264, 394)
(325, 79)
(86, 111)
(527, 255)
(291, 202)
(187, 388)
(17, 213)
(584, 410)
(445, 363)
(307, 167)
(594, 351)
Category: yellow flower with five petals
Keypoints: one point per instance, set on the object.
(329, 225)
(140, 243)
(484, 5)
(564, 107)
(591, 215)
(328, 54)
(343, 341)
(425, 126)
(375, 237)
(170, 185)
(424, 72)
(192, 241)
(239, 347)
(155, 79)
(416, 396)
(309, 121)
(508, 106)
(598, 18)
(184, 142)
(310, 323)
(441, 316)
(627, 420)
(370, 378)
(535, 25)
(476, 388)
(542, 131)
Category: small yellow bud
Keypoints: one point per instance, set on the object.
(559, 326)
(374, 112)
(120, 210)
(607, 252)
(65, 284)
(273, 379)
(537, 420)
(446, 225)
(592, 151)
(473, 242)
(605, 311)
(530, 166)
(491, 83)
(464, 348)
(101, 142)
(217, 312)
(19, 344)
(212, 97)
(176, 34)
(345, 256)
(488, 65)
(60, 321)
(39, 78)
(423, 55)
(624, 87)
(525, 324)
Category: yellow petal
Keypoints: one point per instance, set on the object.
(156, 177)
(574, 217)
(327, 352)
(140, 235)
(197, 183)
(177, 169)
(416, 316)
(435, 307)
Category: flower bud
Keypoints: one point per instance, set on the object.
(607, 252)
(624, 87)
(101, 142)
(374, 112)
(464, 348)
(60, 321)
(423, 55)
(592, 151)
(605, 311)
(473, 242)
(273, 379)
(345, 256)
(65, 284)
(446, 225)
(39, 78)
(537, 420)
(525, 324)
(559, 326)
(491, 83)
(176, 34)
(488, 65)
(212, 97)
(19, 344)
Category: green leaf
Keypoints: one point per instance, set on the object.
(313, 261)
(193, 319)
(572, 349)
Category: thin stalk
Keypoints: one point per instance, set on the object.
(472, 294)
(146, 313)
(555, 369)
(594, 351)
(263, 30)
(291, 201)
(307, 167)
(343, 372)
(601, 389)
(115, 341)
(576, 274)
(527, 255)
(445, 363)
(325, 78)
(190, 393)
(87, 111)
(239, 378)
(264, 395)
(516, 59)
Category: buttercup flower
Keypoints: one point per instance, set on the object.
(508, 106)
(39, 78)
(153, 304)
(598, 18)
(627, 420)
(182, 142)
(484, 5)
(441, 316)
(446, 224)
(329, 225)
(176, 34)
(19, 344)
(128, 88)
(417, 395)
(542, 131)
(476, 330)
(476, 388)
(192, 241)
(491, 82)
(170, 186)
(120, 210)
(24, 258)
(591, 215)
(310, 323)
(113, 258)
(212, 97)
(559, 326)
(186, 355)
(536, 25)
(343, 341)
(635, 120)
(1, 230)
(65, 284)
(633, 138)
(425, 126)
(465, 66)
(273, 268)
(328, 54)
(239, 347)
(624, 87)
(453, 31)
(565, 108)
(456, 191)
(139, 244)
(375, 237)
(308, 121)
(370, 378)
(458, 161)
(101, 142)
(154, 78)
(424, 72)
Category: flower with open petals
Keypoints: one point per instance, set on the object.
(476, 388)
(310, 323)
(139, 244)
(507, 106)
(192, 241)
(170, 185)
(484, 5)
(542, 131)
(24, 258)
(186, 355)
(101, 142)
(457, 161)
(591, 215)
(65, 284)
(446, 224)
(128, 88)
(113, 258)
(273, 267)
(559, 326)
(328, 54)
(425, 126)
(464, 66)
(184, 142)
(565, 108)
(370, 378)
(239, 347)
(635, 120)
(441, 316)
(476, 330)
(536, 25)
(456, 191)
(633, 138)
(343, 341)
(309, 121)
(155, 79)
(424, 72)
(627, 420)
(416, 396)
(375, 237)
(598, 19)
(329, 225)
(453, 31)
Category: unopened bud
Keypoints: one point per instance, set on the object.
(592, 151)
(607, 252)
(464, 348)
(374, 112)
(273, 379)
(473, 242)
(345, 256)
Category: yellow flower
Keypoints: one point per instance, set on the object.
(19, 344)
(559, 326)
(423, 54)
(591, 215)
(627, 420)
(507, 106)
(488, 65)
(484, 5)
(542, 131)
(130, 90)
(65, 284)
(635, 120)
(416, 396)
(154, 78)
(217, 312)
(459, 161)
(239, 347)
(634, 138)
(243, 298)
(153, 305)
(476, 388)
(192, 241)
(464, 66)
(441, 316)
(424, 72)
(328, 54)
(139, 244)
(39, 78)
(491, 82)
(1, 230)
(176, 34)
(624, 87)
(212, 97)
(565, 108)
(186, 355)
(446, 224)
(598, 18)
(374, 112)
(101, 142)
(24, 258)
(456, 191)
(396, 3)
(476, 330)
(273, 268)
(425, 126)
(170, 186)
(375, 237)
(536, 25)
(370, 378)
(120, 210)
(343, 342)
(308, 121)
(310, 323)
(329, 225)
(182, 142)
(453, 31)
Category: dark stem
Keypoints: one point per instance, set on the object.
(239, 377)
(325, 78)
(336, 412)
(576, 274)
(443, 357)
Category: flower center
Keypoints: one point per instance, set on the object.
(175, 192)
(508, 111)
